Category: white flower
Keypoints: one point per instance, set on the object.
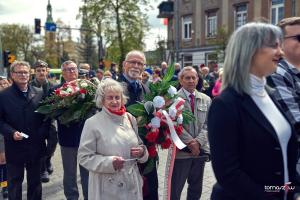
(84, 85)
(172, 112)
(180, 119)
(172, 91)
(69, 90)
(158, 102)
(155, 122)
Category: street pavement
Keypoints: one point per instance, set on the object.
(54, 189)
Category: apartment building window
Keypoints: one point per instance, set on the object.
(240, 15)
(277, 11)
(187, 60)
(187, 27)
(211, 24)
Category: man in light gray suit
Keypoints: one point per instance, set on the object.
(190, 161)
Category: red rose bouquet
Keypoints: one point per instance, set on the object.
(72, 102)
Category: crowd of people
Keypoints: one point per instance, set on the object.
(247, 116)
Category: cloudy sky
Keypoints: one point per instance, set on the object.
(24, 12)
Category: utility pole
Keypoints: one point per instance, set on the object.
(2, 72)
(176, 12)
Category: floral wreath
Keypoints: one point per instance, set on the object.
(161, 117)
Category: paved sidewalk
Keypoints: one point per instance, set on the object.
(54, 189)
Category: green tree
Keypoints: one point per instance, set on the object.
(221, 41)
(18, 39)
(123, 24)
(87, 47)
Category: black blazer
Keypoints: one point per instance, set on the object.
(245, 150)
(17, 113)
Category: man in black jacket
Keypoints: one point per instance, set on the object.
(69, 138)
(18, 120)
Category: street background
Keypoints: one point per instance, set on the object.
(53, 190)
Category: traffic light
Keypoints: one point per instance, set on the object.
(5, 58)
(11, 58)
(37, 26)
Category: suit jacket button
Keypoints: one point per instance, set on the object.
(277, 148)
(278, 173)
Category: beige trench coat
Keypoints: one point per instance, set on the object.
(104, 136)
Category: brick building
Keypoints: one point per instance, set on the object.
(194, 25)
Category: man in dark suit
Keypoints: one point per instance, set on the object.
(69, 138)
(133, 66)
(18, 117)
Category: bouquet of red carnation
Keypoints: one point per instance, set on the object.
(72, 102)
(160, 117)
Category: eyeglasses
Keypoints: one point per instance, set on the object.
(296, 37)
(21, 73)
(140, 64)
(71, 69)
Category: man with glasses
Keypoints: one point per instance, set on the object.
(69, 138)
(23, 131)
(133, 66)
(41, 81)
(286, 79)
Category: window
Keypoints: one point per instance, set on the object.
(187, 60)
(240, 15)
(187, 27)
(277, 11)
(211, 24)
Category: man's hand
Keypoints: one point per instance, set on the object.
(194, 146)
(17, 136)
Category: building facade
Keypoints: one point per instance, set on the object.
(198, 29)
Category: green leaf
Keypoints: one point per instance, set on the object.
(169, 74)
(137, 109)
(45, 109)
(142, 121)
(188, 117)
(149, 166)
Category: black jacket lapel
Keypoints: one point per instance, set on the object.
(257, 115)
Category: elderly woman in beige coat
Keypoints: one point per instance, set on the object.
(110, 147)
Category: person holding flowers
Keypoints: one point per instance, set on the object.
(110, 147)
(69, 138)
(190, 161)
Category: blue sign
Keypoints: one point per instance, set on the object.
(50, 27)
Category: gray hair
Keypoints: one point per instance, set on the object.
(187, 68)
(108, 85)
(136, 52)
(17, 63)
(66, 63)
(241, 48)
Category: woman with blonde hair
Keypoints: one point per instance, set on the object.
(110, 147)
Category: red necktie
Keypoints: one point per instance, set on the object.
(192, 102)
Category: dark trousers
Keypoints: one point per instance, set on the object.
(50, 148)
(69, 160)
(15, 175)
(190, 169)
(150, 188)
